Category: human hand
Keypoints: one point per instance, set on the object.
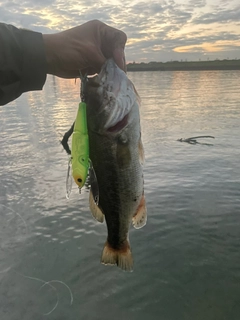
(84, 48)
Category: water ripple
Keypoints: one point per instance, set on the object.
(187, 254)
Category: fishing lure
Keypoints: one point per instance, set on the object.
(79, 163)
(80, 147)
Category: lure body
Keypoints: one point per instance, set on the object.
(80, 147)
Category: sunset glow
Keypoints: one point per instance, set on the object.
(156, 30)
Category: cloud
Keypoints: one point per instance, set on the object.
(152, 8)
(157, 30)
(197, 3)
(220, 16)
(209, 47)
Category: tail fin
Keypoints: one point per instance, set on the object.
(121, 257)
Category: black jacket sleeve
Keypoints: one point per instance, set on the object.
(23, 64)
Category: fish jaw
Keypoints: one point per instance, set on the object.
(113, 96)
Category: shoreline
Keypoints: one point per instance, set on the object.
(185, 65)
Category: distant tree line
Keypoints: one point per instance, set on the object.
(185, 65)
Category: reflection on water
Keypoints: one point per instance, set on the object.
(186, 257)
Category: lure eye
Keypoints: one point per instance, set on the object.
(79, 180)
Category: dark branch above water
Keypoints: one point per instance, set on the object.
(193, 140)
(185, 65)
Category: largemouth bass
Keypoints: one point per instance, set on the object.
(116, 153)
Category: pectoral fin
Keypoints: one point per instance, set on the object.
(96, 211)
(141, 152)
(140, 218)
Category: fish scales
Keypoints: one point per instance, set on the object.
(116, 155)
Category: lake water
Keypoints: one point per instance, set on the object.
(187, 257)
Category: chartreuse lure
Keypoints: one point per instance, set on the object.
(80, 147)
(79, 159)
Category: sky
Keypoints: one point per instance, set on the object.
(156, 30)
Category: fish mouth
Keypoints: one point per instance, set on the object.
(119, 125)
(113, 97)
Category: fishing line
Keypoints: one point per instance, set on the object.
(17, 214)
(44, 283)
(63, 283)
(9, 220)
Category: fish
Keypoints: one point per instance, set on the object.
(117, 156)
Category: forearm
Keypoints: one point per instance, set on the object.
(23, 64)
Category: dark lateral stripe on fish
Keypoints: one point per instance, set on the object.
(121, 124)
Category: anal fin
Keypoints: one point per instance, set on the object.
(121, 257)
(96, 211)
(140, 218)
